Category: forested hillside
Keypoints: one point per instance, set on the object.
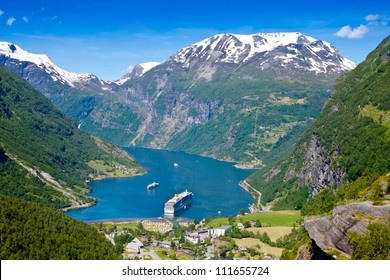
(16, 181)
(42, 140)
(31, 231)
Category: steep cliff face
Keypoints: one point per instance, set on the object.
(319, 169)
(333, 232)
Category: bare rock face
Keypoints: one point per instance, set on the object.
(332, 232)
(318, 170)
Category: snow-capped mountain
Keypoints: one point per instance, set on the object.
(224, 90)
(138, 71)
(15, 58)
(269, 51)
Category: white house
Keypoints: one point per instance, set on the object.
(134, 246)
(216, 232)
(197, 236)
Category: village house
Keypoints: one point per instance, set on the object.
(116, 233)
(217, 232)
(203, 234)
(198, 236)
(134, 246)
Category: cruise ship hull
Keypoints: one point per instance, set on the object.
(178, 202)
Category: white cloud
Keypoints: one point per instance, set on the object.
(348, 32)
(10, 21)
(376, 19)
(372, 17)
(25, 19)
(1, 12)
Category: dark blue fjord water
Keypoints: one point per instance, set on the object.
(214, 184)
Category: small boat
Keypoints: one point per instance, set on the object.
(152, 185)
(176, 165)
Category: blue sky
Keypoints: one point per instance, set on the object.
(109, 37)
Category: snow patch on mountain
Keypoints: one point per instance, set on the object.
(123, 79)
(148, 65)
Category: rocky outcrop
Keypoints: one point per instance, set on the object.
(312, 252)
(305, 252)
(332, 232)
(318, 169)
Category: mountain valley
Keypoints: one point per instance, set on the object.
(249, 96)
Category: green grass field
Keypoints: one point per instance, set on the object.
(217, 222)
(380, 117)
(119, 225)
(285, 218)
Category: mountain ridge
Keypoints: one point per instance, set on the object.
(257, 43)
(44, 62)
(238, 48)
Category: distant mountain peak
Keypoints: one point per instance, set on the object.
(291, 50)
(138, 71)
(43, 62)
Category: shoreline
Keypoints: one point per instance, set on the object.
(254, 207)
(247, 166)
(95, 202)
(102, 177)
(120, 220)
(129, 220)
(85, 205)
